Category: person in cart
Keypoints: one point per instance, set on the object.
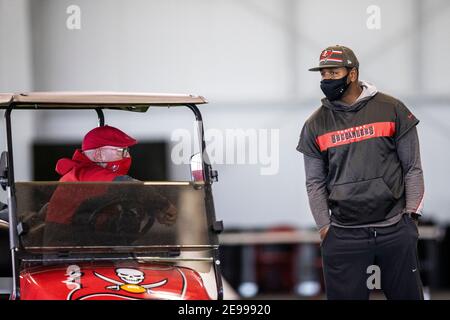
(104, 157)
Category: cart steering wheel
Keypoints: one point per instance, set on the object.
(117, 221)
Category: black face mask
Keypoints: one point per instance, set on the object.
(334, 88)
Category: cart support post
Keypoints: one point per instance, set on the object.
(208, 196)
(101, 117)
(13, 237)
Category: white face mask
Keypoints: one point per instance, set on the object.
(107, 154)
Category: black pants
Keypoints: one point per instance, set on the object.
(350, 258)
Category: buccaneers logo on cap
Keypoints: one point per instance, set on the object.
(331, 55)
(326, 54)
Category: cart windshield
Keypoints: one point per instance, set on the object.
(112, 217)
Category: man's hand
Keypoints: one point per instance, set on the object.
(169, 216)
(323, 232)
(414, 217)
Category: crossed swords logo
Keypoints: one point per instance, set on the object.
(132, 280)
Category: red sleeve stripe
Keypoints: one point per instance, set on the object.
(355, 134)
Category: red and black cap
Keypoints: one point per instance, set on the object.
(106, 136)
(335, 57)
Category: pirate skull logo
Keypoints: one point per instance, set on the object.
(131, 281)
(131, 276)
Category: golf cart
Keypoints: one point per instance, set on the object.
(112, 245)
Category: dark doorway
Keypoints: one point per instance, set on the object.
(149, 160)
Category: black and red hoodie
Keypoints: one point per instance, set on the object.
(365, 180)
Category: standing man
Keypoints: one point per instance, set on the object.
(362, 164)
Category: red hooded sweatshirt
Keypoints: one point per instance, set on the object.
(81, 168)
(66, 199)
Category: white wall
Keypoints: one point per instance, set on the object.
(234, 50)
(249, 58)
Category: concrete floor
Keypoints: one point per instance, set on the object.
(434, 295)
(377, 295)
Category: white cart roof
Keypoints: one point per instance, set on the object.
(91, 100)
